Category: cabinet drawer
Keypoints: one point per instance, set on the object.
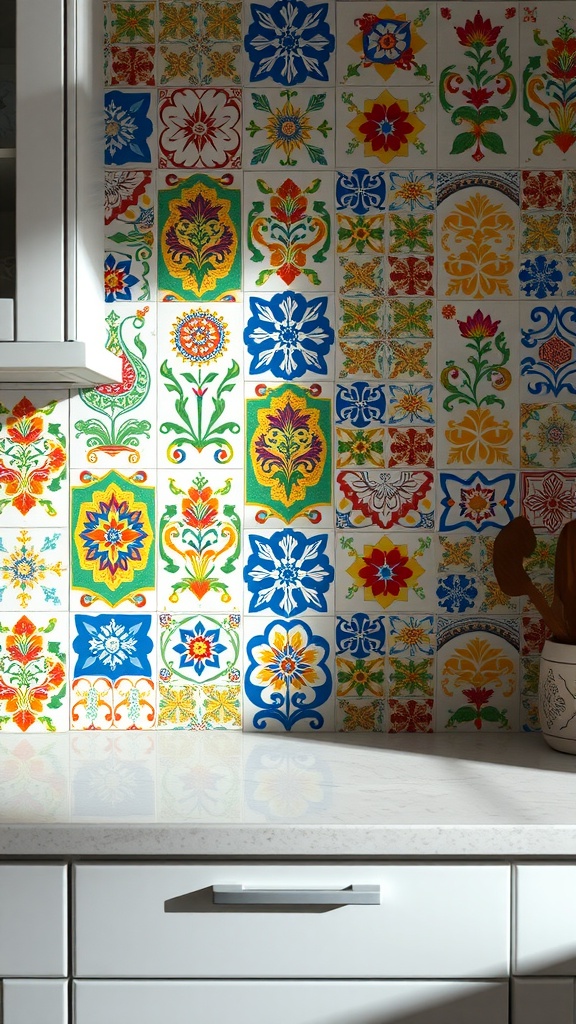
(545, 919)
(542, 999)
(35, 1002)
(296, 1002)
(33, 920)
(124, 930)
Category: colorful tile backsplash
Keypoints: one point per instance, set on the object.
(339, 246)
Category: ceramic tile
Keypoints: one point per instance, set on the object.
(548, 435)
(360, 447)
(411, 447)
(412, 192)
(200, 43)
(112, 671)
(478, 89)
(113, 558)
(529, 676)
(291, 45)
(289, 572)
(410, 678)
(34, 570)
(33, 458)
(378, 127)
(33, 693)
(199, 528)
(289, 128)
(410, 360)
(289, 224)
(477, 674)
(199, 255)
(378, 44)
(411, 636)
(289, 675)
(548, 336)
(477, 408)
(405, 581)
(548, 499)
(478, 234)
(288, 474)
(361, 635)
(200, 385)
(200, 128)
(129, 23)
(548, 130)
(411, 404)
(130, 237)
(130, 66)
(289, 336)
(129, 128)
(360, 677)
(411, 275)
(457, 593)
(410, 715)
(477, 502)
(361, 716)
(199, 677)
(386, 500)
(114, 425)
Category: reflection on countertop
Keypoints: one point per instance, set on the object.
(230, 778)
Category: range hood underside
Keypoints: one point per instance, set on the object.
(67, 363)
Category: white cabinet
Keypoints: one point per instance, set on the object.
(35, 1002)
(294, 1002)
(33, 921)
(545, 926)
(538, 1000)
(50, 196)
(159, 921)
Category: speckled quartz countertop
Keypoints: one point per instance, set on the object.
(179, 794)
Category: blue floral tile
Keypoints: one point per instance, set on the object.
(457, 593)
(361, 635)
(540, 277)
(360, 404)
(112, 672)
(359, 191)
(119, 280)
(199, 677)
(290, 43)
(289, 572)
(481, 501)
(128, 130)
(290, 337)
(288, 683)
(549, 338)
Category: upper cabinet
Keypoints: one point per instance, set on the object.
(51, 194)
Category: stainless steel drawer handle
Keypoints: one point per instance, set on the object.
(353, 894)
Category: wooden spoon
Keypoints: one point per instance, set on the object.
(513, 543)
(565, 579)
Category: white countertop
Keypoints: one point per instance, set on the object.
(223, 794)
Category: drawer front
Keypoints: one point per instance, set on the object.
(545, 919)
(33, 920)
(35, 1002)
(124, 931)
(535, 1000)
(296, 1002)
